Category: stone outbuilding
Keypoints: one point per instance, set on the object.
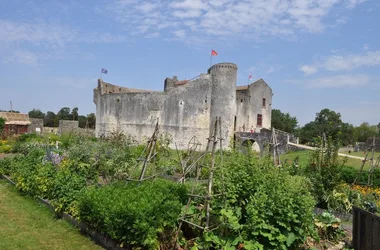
(15, 123)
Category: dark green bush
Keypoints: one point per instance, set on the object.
(66, 189)
(5, 165)
(27, 137)
(348, 175)
(138, 214)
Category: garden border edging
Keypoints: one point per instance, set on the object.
(95, 236)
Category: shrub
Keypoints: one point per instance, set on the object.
(137, 214)
(348, 175)
(265, 204)
(65, 191)
(324, 170)
(5, 165)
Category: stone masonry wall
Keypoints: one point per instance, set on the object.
(183, 112)
(66, 126)
(36, 123)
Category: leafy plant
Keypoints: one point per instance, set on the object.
(137, 214)
(343, 198)
(2, 125)
(324, 170)
(328, 227)
(264, 204)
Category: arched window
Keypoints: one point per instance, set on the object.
(264, 103)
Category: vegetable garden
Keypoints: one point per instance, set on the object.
(259, 206)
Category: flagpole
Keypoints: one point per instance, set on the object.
(211, 59)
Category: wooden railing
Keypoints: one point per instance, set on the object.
(366, 230)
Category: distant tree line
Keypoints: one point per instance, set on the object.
(10, 111)
(52, 120)
(326, 121)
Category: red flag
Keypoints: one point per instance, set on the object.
(250, 76)
(214, 53)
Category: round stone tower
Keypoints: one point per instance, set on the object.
(223, 98)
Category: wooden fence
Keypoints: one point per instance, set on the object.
(366, 230)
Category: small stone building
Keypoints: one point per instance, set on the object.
(187, 108)
(15, 123)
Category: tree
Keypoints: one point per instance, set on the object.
(2, 125)
(64, 114)
(82, 121)
(11, 111)
(91, 119)
(74, 114)
(50, 119)
(283, 121)
(364, 131)
(36, 113)
(328, 122)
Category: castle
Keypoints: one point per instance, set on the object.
(186, 108)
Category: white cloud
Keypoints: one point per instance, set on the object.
(338, 81)
(348, 62)
(179, 33)
(56, 36)
(308, 70)
(352, 3)
(344, 62)
(226, 18)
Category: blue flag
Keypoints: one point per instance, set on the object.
(104, 71)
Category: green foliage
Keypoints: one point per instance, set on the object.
(137, 214)
(36, 113)
(262, 204)
(283, 121)
(64, 114)
(51, 119)
(330, 123)
(82, 121)
(27, 137)
(66, 189)
(5, 166)
(2, 125)
(74, 114)
(91, 119)
(343, 198)
(324, 170)
(364, 131)
(329, 227)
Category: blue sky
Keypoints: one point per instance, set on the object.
(314, 54)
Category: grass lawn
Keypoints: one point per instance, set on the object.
(26, 224)
(304, 156)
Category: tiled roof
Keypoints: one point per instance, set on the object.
(15, 118)
(242, 87)
(183, 82)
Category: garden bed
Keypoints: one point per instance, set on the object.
(257, 206)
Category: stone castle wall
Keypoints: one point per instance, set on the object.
(184, 109)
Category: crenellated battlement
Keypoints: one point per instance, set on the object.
(223, 65)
